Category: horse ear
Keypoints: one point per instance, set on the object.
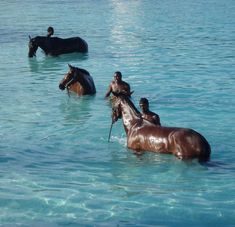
(30, 37)
(70, 66)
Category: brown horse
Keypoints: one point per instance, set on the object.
(79, 81)
(144, 136)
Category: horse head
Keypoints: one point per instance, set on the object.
(32, 47)
(116, 108)
(122, 104)
(69, 78)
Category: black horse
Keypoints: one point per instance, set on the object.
(55, 46)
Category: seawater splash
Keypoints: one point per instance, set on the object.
(121, 140)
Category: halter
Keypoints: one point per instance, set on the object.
(74, 78)
(72, 81)
(79, 81)
(119, 105)
(122, 99)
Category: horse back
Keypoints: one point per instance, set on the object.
(67, 45)
(185, 143)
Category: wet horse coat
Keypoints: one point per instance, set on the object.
(55, 46)
(78, 81)
(142, 135)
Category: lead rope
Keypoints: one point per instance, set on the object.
(110, 130)
(68, 91)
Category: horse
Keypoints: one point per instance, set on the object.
(55, 46)
(142, 135)
(79, 81)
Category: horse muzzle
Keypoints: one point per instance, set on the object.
(61, 87)
(31, 54)
(114, 118)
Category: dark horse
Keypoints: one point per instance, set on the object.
(55, 46)
(142, 135)
(79, 81)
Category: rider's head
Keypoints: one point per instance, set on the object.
(144, 104)
(117, 76)
(50, 31)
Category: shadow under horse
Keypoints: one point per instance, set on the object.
(55, 46)
(142, 135)
(78, 81)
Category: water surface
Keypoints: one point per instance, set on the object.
(57, 168)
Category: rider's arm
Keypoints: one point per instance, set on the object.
(109, 91)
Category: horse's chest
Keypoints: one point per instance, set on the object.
(77, 88)
(135, 140)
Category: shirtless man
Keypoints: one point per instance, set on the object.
(119, 86)
(147, 114)
(50, 31)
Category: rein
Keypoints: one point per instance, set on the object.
(68, 92)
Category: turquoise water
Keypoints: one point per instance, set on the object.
(56, 166)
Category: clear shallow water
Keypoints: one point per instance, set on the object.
(57, 168)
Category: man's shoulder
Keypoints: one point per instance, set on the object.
(125, 83)
(112, 83)
(152, 114)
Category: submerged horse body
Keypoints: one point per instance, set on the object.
(55, 46)
(78, 81)
(142, 135)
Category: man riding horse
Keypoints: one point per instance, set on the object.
(55, 46)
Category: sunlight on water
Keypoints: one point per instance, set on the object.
(57, 166)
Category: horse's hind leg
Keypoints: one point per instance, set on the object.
(183, 148)
(179, 153)
(175, 147)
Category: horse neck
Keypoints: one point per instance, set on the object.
(42, 42)
(81, 78)
(130, 115)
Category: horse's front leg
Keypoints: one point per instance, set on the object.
(134, 142)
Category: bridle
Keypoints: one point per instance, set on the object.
(70, 81)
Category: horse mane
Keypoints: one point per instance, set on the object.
(127, 100)
(83, 77)
(82, 70)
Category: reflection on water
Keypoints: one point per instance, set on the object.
(56, 162)
(76, 109)
(49, 63)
